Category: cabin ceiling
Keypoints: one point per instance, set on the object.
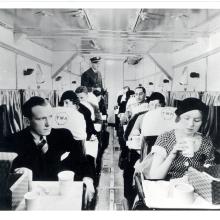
(112, 31)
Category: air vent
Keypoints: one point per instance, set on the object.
(27, 72)
(166, 81)
(133, 60)
(5, 25)
(194, 75)
(74, 13)
(44, 13)
(58, 78)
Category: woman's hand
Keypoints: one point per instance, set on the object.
(178, 147)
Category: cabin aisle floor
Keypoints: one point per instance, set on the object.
(110, 190)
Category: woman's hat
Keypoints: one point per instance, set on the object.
(190, 104)
(156, 96)
(71, 96)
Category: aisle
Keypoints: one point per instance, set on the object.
(110, 189)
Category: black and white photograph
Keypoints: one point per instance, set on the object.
(109, 109)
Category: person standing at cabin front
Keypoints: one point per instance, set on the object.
(92, 78)
(40, 147)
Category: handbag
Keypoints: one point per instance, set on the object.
(205, 182)
(123, 160)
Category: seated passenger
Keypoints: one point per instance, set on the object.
(134, 129)
(123, 99)
(82, 94)
(101, 102)
(156, 100)
(128, 101)
(40, 147)
(139, 105)
(171, 159)
(70, 118)
(70, 99)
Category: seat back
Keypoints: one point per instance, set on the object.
(65, 117)
(6, 160)
(155, 123)
(158, 121)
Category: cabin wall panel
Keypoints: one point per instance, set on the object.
(61, 58)
(213, 81)
(131, 83)
(147, 68)
(114, 82)
(200, 46)
(191, 84)
(19, 42)
(65, 83)
(17, 54)
(7, 69)
(130, 72)
(163, 61)
(6, 36)
(147, 80)
(159, 84)
(39, 79)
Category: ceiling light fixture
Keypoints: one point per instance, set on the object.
(44, 13)
(94, 45)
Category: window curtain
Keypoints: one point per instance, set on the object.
(211, 98)
(11, 99)
(51, 95)
(212, 124)
(180, 95)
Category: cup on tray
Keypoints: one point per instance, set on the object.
(65, 179)
(97, 127)
(31, 200)
(183, 193)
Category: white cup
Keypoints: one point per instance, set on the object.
(97, 127)
(116, 111)
(31, 200)
(136, 140)
(104, 117)
(183, 193)
(65, 182)
(189, 150)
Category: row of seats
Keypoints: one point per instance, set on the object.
(136, 147)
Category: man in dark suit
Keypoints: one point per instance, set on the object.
(92, 78)
(39, 147)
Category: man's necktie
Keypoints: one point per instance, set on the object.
(43, 146)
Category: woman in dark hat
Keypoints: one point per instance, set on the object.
(177, 150)
(70, 99)
(156, 100)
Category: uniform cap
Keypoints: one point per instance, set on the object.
(95, 59)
